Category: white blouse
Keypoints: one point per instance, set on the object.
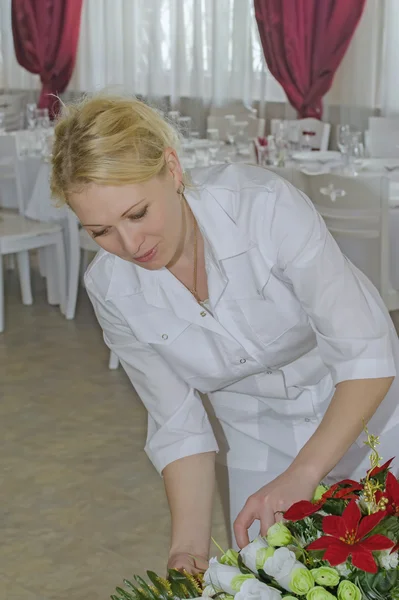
(289, 317)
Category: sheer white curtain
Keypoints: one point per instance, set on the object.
(208, 49)
(178, 48)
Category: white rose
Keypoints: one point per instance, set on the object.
(253, 589)
(289, 573)
(224, 577)
(387, 560)
(255, 554)
(280, 564)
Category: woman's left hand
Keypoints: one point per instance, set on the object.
(267, 504)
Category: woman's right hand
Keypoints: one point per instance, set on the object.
(184, 561)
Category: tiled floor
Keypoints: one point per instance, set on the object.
(81, 506)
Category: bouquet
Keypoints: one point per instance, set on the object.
(342, 545)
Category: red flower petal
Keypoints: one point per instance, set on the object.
(368, 523)
(335, 526)
(351, 516)
(376, 542)
(363, 559)
(377, 470)
(322, 543)
(337, 552)
(300, 510)
(394, 549)
(392, 487)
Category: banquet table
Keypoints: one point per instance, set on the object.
(42, 207)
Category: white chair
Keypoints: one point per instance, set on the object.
(293, 176)
(356, 212)
(384, 137)
(241, 112)
(19, 235)
(321, 130)
(12, 105)
(80, 244)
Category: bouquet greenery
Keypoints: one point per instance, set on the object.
(342, 545)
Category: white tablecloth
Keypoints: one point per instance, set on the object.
(29, 168)
(42, 207)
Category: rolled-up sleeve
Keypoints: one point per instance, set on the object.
(352, 327)
(178, 424)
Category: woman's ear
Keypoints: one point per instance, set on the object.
(173, 166)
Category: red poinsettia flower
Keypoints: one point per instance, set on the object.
(304, 508)
(378, 470)
(391, 494)
(346, 537)
(395, 548)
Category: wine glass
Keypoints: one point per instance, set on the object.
(185, 125)
(42, 118)
(343, 141)
(230, 122)
(31, 116)
(242, 137)
(212, 136)
(355, 154)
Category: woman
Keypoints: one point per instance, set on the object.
(225, 284)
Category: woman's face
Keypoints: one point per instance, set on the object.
(142, 223)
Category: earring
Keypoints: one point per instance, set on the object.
(181, 189)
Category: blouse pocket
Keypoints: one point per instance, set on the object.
(183, 345)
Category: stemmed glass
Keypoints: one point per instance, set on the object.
(42, 118)
(214, 143)
(31, 116)
(343, 141)
(242, 137)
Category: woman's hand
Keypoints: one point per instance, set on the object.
(268, 503)
(188, 562)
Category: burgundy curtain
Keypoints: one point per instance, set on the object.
(304, 42)
(46, 35)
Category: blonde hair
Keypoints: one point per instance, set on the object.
(108, 140)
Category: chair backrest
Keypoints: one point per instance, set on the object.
(356, 211)
(256, 127)
(384, 137)
(12, 105)
(320, 129)
(293, 176)
(10, 167)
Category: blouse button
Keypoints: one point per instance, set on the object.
(243, 361)
(307, 420)
(164, 336)
(203, 313)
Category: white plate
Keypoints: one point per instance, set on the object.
(317, 156)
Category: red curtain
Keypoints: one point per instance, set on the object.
(46, 35)
(304, 42)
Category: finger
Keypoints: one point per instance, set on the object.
(279, 516)
(267, 519)
(241, 525)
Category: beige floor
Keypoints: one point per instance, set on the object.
(81, 506)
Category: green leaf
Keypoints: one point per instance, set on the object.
(125, 594)
(157, 583)
(146, 588)
(181, 584)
